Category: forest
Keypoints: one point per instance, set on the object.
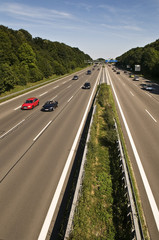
(147, 57)
(26, 59)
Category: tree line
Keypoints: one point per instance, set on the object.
(26, 59)
(147, 57)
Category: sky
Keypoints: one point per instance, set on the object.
(100, 28)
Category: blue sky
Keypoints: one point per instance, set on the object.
(100, 28)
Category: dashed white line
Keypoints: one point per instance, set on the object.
(42, 94)
(17, 107)
(64, 82)
(42, 130)
(132, 94)
(70, 99)
(151, 115)
(56, 87)
(69, 86)
(54, 97)
(12, 128)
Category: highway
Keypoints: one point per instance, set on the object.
(139, 114)
(35, 148)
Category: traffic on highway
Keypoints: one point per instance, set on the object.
(37, 149)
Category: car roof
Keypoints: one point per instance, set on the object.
(32, 98)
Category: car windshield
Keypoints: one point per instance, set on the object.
(49, 102)
(29, 101)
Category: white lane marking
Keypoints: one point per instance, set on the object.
(70, 99)
(69, 86)
(56, 196)
(12, 128)
(56, 87)
(17, 107)
(150, 115)
(132, 94)
(53, 98)
(146, 184)
(148, 94)
(42, 94)
(42, 130)
(64, 82)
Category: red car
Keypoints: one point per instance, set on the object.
(30, 103)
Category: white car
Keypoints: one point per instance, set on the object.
(136, 78)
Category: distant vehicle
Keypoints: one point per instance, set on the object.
(30, 103)
(75, 77)
(118, 72)
(86, 85)
(149, 87)
(131, 75)
(143, 85)
(88, 72)
(49, 106)
(136, 78)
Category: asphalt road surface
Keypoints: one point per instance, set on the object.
(139, 114)
(34, 148)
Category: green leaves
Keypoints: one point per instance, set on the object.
(147, 57)
(30, 60)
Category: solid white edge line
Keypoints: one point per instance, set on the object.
(12, 128)
(56, 196)
(149, 193)
(150, 115)
(42, 130)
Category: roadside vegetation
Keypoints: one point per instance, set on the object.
(102, 208)
(25, 60)
(147, 57)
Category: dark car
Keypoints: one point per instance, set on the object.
(75, 77)
(87, 85)
(88, 72)
(49, 106)
(118, 72)
(30, 103)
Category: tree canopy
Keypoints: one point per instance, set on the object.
(25, 59)
(147, 57)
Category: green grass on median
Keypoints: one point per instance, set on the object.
(102, 208)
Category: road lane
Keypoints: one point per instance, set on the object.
(9, 117)
(145, 134)
(30, 170)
